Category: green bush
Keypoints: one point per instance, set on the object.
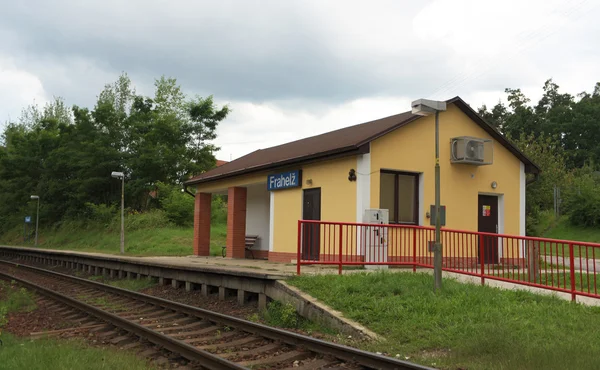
(147, 220)
(178, 206)
(582, 199)
(282, 315)
(3, 319)
(17, 299)
(218, 211)
(101, 213)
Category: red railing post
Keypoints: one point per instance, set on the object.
(414, 250)
(341, 240)
(299, 247)
(482, 258)
(572, 271)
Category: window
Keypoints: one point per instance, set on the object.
(399, 193)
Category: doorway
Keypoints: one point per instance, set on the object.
(311, 233)
(487, 222)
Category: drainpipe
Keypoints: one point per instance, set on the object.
(536, 176)
(185, 190)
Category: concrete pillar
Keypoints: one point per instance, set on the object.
(262, 301)
(121, 274)
(89, 268)
(174, 283)
(104, 271)
(202, 224)
(111, 273)
(161, 280)
(188, 286)
(96, 270)
(204, 290)
(236, 222)
(139, 276)
(129, 275)
(241, 296)
(221, 293)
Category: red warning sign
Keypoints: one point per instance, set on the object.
(487, 211)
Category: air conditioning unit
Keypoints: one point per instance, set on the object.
(471, 150)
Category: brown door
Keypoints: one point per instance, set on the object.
(311, 210)
(488, 223)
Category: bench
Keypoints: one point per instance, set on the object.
(250, 242)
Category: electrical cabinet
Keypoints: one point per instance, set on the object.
(375, 237)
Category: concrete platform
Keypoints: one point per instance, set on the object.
(248, 280)
(252, 267)
(255, 268)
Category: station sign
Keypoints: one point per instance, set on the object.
(284, 180)
(27, 219)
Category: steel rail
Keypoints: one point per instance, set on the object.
(206, 359)
(342, 352)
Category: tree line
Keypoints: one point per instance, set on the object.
(65, 154)
(560, 133)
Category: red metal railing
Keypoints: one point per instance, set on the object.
(559, 265)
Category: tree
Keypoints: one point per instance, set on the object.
(66, 154)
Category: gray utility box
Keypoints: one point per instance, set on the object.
(375, 237)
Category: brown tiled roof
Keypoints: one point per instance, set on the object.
(220, 162)
(345, 141)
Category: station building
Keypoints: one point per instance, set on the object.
(387, 163)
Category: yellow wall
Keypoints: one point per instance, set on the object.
(412, 148)
(338, 200)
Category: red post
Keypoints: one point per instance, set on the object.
(299, 247)
(414, 250)
(482, 258)
(572, 271)
(341, 240)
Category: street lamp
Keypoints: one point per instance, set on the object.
(424, 107)
(120, 175)
(37, 217)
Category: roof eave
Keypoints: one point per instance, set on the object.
(340, 152)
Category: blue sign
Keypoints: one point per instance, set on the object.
(27, 219)
(284, 180)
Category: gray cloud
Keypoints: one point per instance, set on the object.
(263, 51)
(288, 65)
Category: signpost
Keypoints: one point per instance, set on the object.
(26, 236)
(284, 180)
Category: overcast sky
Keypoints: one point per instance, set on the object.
(293, 68)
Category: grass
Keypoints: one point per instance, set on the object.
(464, 326)
(159, 241)
(16, 299)
(45, 354)
(564, 230)
(560, 228)
(583, 282)
(284, 315)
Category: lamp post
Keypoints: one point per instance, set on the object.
(37, 217)
(120, 175)
(424, 107)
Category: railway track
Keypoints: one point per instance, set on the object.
(207, 339)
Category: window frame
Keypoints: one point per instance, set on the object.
(396, 193)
